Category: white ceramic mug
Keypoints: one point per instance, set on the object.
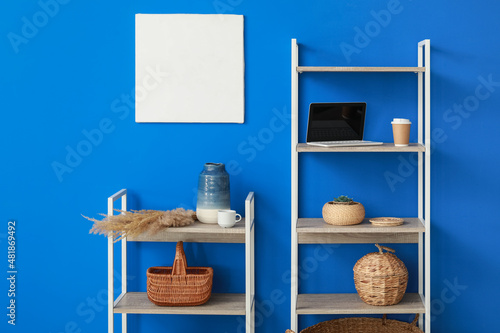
(227, 218)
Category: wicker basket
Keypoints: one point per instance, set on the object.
(343, 213)
(380, 278)
(365, 325)
(179, 285)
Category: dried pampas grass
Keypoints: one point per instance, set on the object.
(136, 222)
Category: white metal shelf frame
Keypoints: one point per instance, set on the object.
(111, 297)
(219, 304)
(424, 178)
(423, 147)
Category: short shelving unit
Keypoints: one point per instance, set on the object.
(414, 230)
(220, 303)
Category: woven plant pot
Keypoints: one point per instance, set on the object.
(365, 325)
(343, 213)
(380, 277)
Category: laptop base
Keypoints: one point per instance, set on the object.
(346, 143)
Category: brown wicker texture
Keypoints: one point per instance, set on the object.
(179, 285)
(363, 325)
(343, 213)
(380, 278)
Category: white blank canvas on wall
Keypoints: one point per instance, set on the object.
(189, 68)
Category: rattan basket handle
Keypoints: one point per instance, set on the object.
(388, 249)
(180, 263)
(414, 322)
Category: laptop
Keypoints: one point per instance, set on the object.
(337, 124)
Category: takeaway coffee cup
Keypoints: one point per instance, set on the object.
(401, 131)
(227, 218)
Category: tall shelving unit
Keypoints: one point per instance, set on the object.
(219, 304)
(415, 230)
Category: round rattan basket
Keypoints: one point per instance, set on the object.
(365, 325)
(343, 213)
(380, 277)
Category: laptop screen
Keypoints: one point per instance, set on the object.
(336, 121)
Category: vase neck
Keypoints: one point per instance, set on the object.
(214, 167)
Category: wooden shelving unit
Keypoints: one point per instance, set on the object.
(219, 304)
(414, 230)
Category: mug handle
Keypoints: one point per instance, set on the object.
(238, 217)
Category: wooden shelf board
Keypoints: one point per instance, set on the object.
(197, 232)
(302, 69)
(318, 225)
(317, 231)
(218, 304)
(385, 147)
(352, 304)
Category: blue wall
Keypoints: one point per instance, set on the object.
(67, 75)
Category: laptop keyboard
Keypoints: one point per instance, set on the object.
(338, 142)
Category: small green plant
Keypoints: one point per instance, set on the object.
(342, 198)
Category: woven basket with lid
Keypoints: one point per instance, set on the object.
(380, 277)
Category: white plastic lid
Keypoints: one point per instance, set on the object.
(400, 121)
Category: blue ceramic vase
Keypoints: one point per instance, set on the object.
(213, 192)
